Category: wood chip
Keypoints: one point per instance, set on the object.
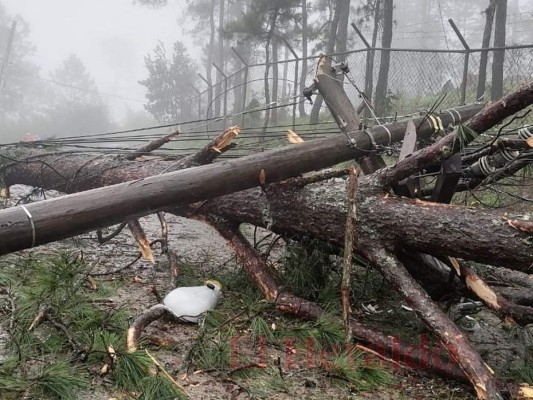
(92, 282)
(293, 137)
(521, 225)
(141, 239)
(226, 139)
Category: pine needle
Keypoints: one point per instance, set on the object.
(166, 374)
(57, 380)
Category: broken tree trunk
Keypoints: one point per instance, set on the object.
(391, 223)
(51, 220)
(479, 374)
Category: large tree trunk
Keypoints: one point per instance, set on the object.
(70, 173)
(219, 58)
(330, 48)
(303, 74)
(499, 55)
(275, 80)
(369, 70)
(386, 41)
(342, 31)
(269, 40)
(482, 79)
(209, 63)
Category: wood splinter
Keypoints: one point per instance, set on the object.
(349, 240)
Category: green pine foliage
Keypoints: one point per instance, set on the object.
(51, 360)
(58, 381)
(160, 388)
(309, 270)
(240, 339)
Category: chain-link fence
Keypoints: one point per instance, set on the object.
(417, 79)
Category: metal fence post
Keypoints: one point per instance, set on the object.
(225, 112)
(209, 95)
(199, 99)
(369, 68)
(245, 82)
(296, 77)
(467, 57)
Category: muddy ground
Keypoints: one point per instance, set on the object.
(203, 250)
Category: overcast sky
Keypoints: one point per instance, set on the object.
(113, 36)
(110, 36)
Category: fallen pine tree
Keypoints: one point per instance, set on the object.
(387, 226)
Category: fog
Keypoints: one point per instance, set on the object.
(110, 37)
(85, 59)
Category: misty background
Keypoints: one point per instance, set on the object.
(78, 67)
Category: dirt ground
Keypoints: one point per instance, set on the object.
(203, 249)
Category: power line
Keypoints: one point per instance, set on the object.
(70, 86)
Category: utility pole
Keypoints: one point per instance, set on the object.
(3, 72)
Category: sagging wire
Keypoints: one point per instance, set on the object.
(362, 95)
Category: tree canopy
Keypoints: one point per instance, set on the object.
(169, 81)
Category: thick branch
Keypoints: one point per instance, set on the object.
(349, 240)
(141, 322)
(153, 145)
(212, 150)
(258, 270)
(481, 377)
(490, 297)
(440, 229)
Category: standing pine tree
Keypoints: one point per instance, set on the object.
(169, 83)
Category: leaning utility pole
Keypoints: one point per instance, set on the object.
(3, 71)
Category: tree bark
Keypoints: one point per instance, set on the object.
(71, 173)
(303, 74)
(269, 37)
(386, 41)
(499, 55)
(342, 30)
(219, 58)
(338, 102)
(482, 78)
(60, 218)
(438, 229)
(256, 267)
(369, 70)
(209, 63)
(275, 80)
(313, 155)
(330, 49)
(387, 224)
(480, 375)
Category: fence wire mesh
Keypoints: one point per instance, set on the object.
(417, 79)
